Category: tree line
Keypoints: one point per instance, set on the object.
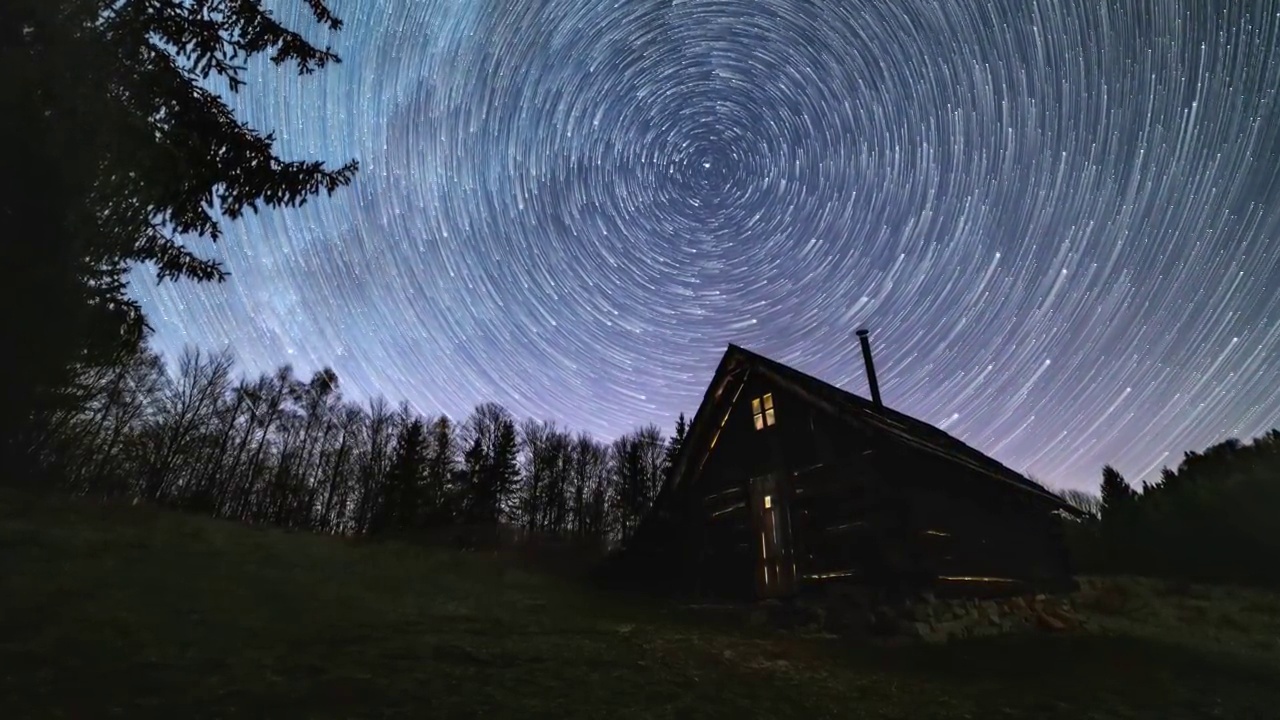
(1210, 519)
(291, 451)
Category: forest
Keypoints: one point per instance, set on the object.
(292, 452)
(1211, 519)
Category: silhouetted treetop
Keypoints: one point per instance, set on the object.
(1117, 494)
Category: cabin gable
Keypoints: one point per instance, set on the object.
(747, 454)
(782, 494)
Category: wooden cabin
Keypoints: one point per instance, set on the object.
(786, 484)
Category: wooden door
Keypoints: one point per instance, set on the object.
(771, 524)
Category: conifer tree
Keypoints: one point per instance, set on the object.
(118, 155)
(504, 472)
(405, 477)
(675, 444)
(441, 466)
(1118, 497)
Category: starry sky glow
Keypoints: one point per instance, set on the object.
(1059, 218)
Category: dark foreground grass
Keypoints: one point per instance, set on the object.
(117, 611)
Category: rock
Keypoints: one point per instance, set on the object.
(929, 633)
(1067, 618)
(914, 629)
(921, 613)
(955, 629)
(990, 614)
(1049, 622)
(817, 616)
(885, 614)
(885, 622)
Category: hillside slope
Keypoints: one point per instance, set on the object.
(138, 612)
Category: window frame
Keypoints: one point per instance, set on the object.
(763, 412)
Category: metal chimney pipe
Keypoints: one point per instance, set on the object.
(865, 342)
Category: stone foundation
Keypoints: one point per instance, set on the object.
(852, 612)
(939, 620)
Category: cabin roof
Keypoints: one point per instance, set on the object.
(895, 426)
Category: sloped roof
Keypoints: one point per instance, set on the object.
(891, 424)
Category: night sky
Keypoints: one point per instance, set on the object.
(1059, 218)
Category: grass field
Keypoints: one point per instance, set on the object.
(118, 611)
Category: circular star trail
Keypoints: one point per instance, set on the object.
(1060, 219)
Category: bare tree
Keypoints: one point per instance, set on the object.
(1084, 501)
(186, 405)
(114, 416)
(372, 460)
(336, 468)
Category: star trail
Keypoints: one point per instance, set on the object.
(1059, 218)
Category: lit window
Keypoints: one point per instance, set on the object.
(768, 501)
(762, 411)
